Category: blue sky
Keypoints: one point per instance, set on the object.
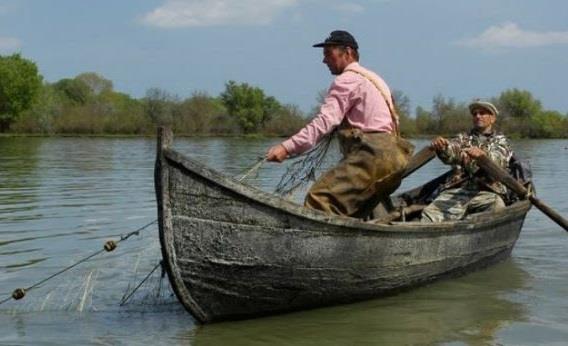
(458, 48)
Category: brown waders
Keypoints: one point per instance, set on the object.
(371, 169)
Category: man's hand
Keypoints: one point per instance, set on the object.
(471, 153)
(277, 153)
(475, 152)
(439, 144)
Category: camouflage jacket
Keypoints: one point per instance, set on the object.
(495, 145)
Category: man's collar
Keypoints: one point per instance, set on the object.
(352, 66)
(475, 131)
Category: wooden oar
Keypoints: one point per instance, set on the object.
(499, 174)
(418, 160)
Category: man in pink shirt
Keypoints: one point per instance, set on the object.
(358, 104)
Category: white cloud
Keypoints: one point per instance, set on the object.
(9, 44)
(509, 35)
(187, 13)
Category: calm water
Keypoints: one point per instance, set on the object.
(62, 198)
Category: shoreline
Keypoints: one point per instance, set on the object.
(102, 135)
(248, 136)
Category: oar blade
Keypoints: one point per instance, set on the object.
(499, 174)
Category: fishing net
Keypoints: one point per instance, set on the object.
(150, 291)
(307, 166)
(131, 276)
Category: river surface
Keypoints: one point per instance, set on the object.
(62, 198)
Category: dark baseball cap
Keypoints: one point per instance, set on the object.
(339, 38)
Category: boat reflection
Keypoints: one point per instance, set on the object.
(471, 310)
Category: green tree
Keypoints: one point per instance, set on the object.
(402, 106)
(452, 117)
(287, 120)
(126, 115)
(270, 107)
(248, 105)
(74, 90)
(517, 108)
(199, 113)
(424, 122)
(39, 117)
(548, 124)
(20, 84)
(95, 82)
(517, 103)
(159, 106)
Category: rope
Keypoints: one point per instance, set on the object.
(254, 168)
(126, 297)
(110, 245)
(137, 232)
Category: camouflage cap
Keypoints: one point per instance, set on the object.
(483, 104)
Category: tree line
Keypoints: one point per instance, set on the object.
(88, 104)
(520, 116)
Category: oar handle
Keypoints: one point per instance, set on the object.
(499, 174)
(418, 160)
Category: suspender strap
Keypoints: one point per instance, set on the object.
(392, 110)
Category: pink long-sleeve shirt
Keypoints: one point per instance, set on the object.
(352, 97)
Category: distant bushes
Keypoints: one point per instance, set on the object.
(520, 116)
(285, 122)
(88, 104)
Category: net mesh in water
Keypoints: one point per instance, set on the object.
(102, 284)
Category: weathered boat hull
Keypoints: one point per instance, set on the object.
(232, 251)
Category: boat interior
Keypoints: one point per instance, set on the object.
(408, 206)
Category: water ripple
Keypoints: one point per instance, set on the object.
(62, 198)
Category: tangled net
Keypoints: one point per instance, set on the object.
(304, 170)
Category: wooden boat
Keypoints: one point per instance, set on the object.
(232, 251)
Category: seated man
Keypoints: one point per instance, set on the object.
(470, 191)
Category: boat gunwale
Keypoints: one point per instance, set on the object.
(475, 222)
